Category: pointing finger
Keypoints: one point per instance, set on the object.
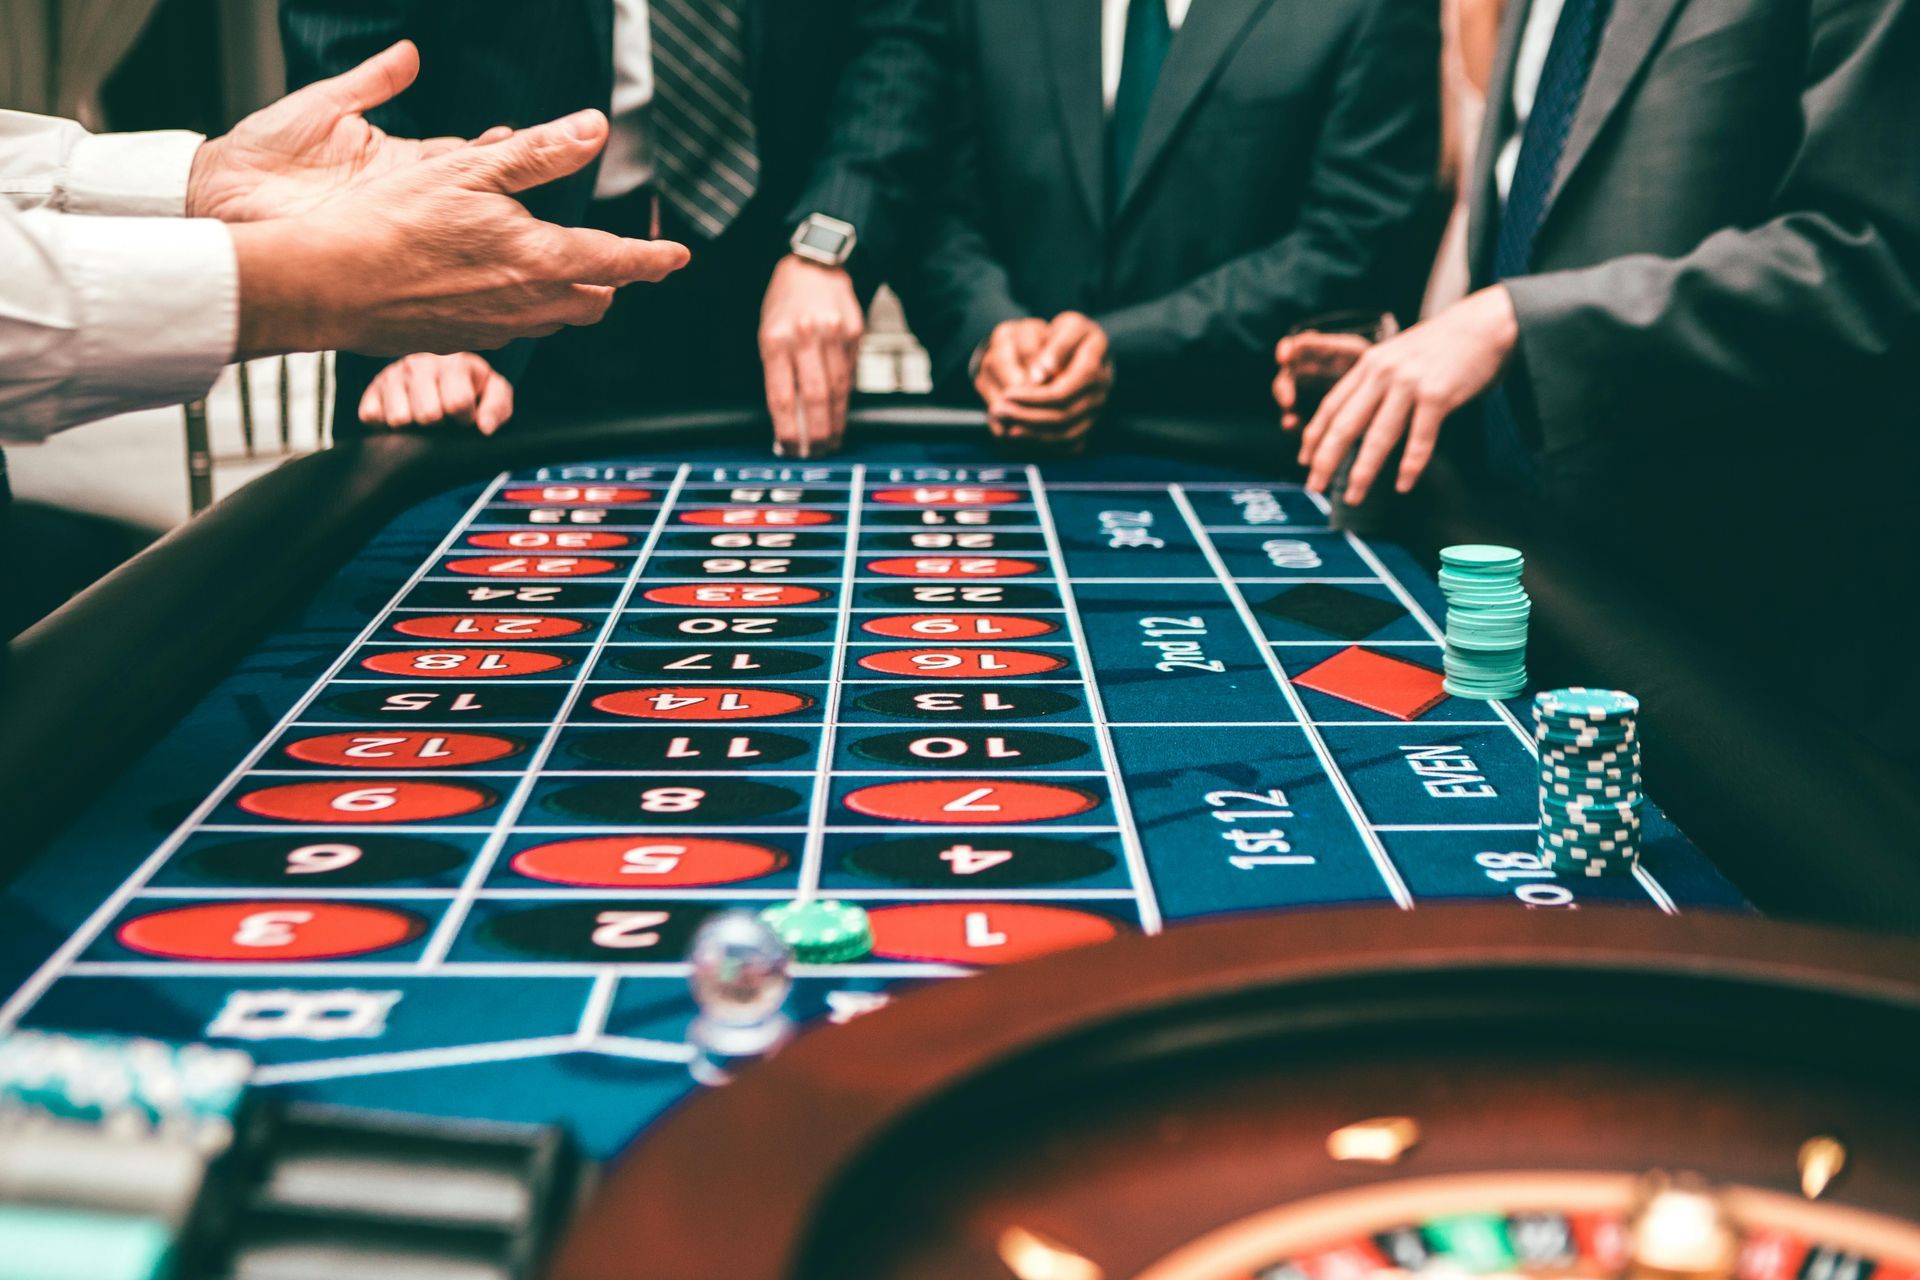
(781, 400)
(1389, 422)
(533, 157)
(816, 397)
(1420, 444)
(598, 257)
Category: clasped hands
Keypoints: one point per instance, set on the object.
(1045, 382)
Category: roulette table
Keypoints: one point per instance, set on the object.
(413, 769)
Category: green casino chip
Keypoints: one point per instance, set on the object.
(1590, 796)
(1482, 557)
(1579, 706)
(1493, 615)
(45, 1243)
(1485, 657)
(1586, 738)
(821, 931)
(1568, 822)
(1602, 791)
(126, 1084)
(1596, 869)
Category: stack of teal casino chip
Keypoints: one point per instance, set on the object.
(1590, 796)
(113, 1151)
(1487, 615)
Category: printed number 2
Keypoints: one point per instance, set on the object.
(628, 930)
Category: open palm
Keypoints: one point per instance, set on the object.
(310, 146)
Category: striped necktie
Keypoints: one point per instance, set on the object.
(706, 162)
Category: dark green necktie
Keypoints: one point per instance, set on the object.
(1148, 35)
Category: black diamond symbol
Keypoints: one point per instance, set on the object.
(1335, 611)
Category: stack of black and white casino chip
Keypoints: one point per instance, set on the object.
(1590, 796)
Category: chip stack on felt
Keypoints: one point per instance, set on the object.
(821, 931)
(107, 1146)
(1487, 613)
(1589, 781)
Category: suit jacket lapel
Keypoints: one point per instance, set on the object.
(1630, 39)
(1483, 207)
(1205, 40)
(1072, 62)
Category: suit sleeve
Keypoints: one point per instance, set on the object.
(881, 139)
(1824, 294)
(951, 281)
(1370, 190)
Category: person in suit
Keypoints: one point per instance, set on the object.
(1145, 195)
(1696, 252)
(776, 138)
(1695, 227)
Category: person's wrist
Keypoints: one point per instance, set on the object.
(1503, 320)
(213, 188)
(793, 262)
(202, 178)
(287, 292)
(978, 359)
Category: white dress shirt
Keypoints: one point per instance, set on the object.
(627, 163)
(1113, 39)
(110, 299)
(1528, 64)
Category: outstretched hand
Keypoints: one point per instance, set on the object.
(1407, 387)
(438, 256)
(312, 145)
(810, 331)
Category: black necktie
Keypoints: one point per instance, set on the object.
(1563, 83)
(1149, 33)
(707, 165)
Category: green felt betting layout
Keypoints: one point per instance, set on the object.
(441, 844)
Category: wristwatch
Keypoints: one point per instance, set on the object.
(825, 240)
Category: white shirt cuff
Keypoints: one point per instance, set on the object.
(159, 309)
(136, 175)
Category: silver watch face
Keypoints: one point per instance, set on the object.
(823, 240)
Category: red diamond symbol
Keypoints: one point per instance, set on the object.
(1377, 681)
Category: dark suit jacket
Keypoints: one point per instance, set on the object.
(843, 91)
(1733, 239)
(1716, 352)
(1284, 170)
